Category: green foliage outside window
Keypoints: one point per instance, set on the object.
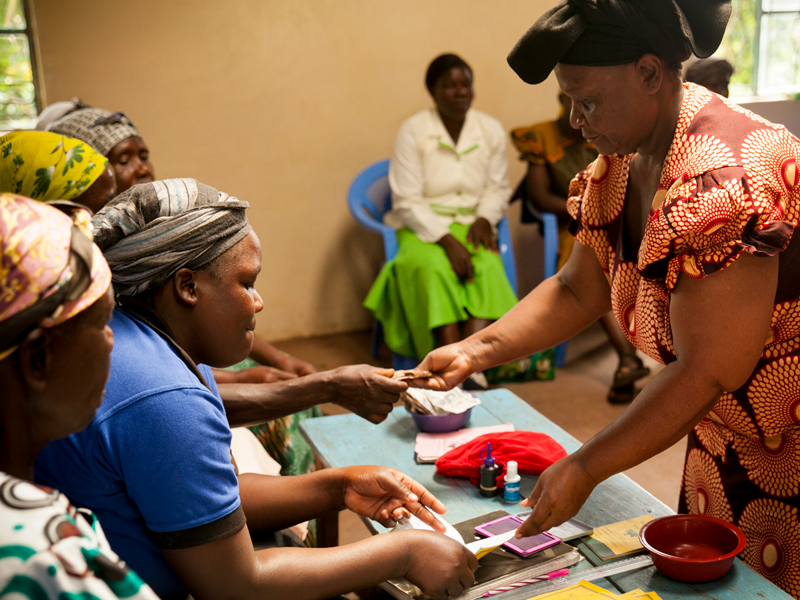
(738, 46)
(763, 44)
(18, 109)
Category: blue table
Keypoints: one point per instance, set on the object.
(347, 440)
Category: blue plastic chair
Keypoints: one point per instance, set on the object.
(548, 223)
(369, 199)
(550, 235)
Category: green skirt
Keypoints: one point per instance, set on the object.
(418, 291)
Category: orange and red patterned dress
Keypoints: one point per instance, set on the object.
(729, 185)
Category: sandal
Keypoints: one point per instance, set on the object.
(621, 395)
(631, 368)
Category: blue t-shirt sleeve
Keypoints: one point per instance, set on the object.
(173, 450)
(209, 376)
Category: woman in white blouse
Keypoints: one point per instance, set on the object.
(449, 182)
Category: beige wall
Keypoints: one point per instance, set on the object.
(281, 103)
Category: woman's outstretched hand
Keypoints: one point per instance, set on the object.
(559, 494)
(449, 365)
(385, 494)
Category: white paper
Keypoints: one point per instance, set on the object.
(483, 546)
(414, 522)
(430, 446)
(479, 548)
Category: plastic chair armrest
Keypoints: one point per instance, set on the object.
(389, 242)
(550, 234)
(507, 253)
(364, 219)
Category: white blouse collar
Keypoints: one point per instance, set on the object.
(469, 139)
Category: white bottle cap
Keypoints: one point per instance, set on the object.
(511, 469)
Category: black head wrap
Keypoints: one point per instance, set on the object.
(617, 32)
(441, 65)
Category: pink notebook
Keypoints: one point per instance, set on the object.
(430, 446)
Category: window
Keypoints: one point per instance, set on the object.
(763, 44)
(19, 97)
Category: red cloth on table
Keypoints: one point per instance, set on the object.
(534, 452)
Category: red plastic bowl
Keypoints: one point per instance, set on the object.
(692, 548)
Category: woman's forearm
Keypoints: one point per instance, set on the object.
(312, 574)
(253, 403)
(712, 355)
(664, 412)
(278, 502)
(549, 315)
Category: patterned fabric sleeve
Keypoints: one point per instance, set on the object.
(50, 551)
(703, 223)
(528, 143)
(576, 190)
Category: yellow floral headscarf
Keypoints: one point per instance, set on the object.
(47, 166)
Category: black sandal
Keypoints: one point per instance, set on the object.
(621, 395)
(628, 373)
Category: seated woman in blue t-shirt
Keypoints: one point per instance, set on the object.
(155, 463)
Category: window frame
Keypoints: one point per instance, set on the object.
(28, 31)
(760, 13)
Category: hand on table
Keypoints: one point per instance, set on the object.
(385, 495)
(367, 391)
(459, 257)
(442, 568)
(285, 362)
(481, 234)
(559, 494)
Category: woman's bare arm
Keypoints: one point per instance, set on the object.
(719, 325)
(229, 568)
(557, 309)
(538, 184)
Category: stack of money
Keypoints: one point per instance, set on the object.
(429, 402)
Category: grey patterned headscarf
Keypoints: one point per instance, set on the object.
(153, 229)
(99, 128)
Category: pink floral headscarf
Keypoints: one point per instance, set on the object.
(37, 243)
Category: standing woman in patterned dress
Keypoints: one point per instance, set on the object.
(684, 228)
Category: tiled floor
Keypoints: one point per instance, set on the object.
(575, 400)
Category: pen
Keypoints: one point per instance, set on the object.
(524, 582)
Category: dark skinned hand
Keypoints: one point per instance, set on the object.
(385, 495)
(367, 391)
(442, 568)
(559, 494)
(481, 234)
(294, 365)
(450, 365)
(459, 257)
